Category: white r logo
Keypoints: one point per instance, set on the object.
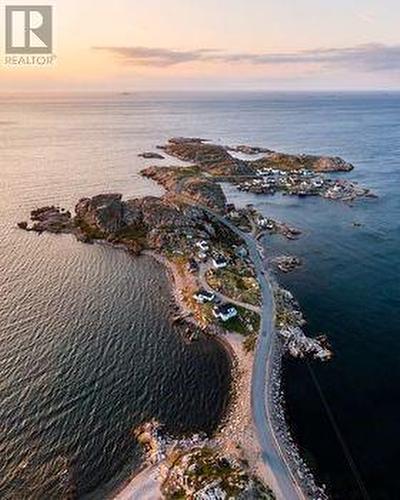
(29, 29)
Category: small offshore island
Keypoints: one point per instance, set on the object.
(223, 288)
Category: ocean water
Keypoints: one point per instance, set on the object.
(86, 352)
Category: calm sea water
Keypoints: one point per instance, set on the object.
(86, 352)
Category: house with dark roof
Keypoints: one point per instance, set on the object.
(192, 266)
(219, 262)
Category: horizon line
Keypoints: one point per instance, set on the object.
(197, 91)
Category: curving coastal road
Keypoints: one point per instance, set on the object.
(285, 486)
(282, 481)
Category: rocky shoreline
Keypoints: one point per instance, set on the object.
(104, 218)
(288, 446)
(234, 444)
(179, 232)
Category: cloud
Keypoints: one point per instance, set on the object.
(146, 56)
(368, 57)
(367, 16)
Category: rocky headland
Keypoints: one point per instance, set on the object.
(217, 160)
(215, 282)
(141, 223)
(284, 161)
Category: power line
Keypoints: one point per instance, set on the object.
(339, 435)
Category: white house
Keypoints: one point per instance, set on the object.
(202, 256)
(225, 312)
(202, 296)
(203, 245)
(219, 262)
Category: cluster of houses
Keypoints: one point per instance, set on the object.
(224, 312)
(301, 183)
(342, 190)
(218, 261)
(262, 224)
(269, 181)
(203, 253)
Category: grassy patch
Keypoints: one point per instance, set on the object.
(249, 343)
(206, 468)
(191, 171)
(241, 222)
(225, 238)
(246, 322)
(240, 287)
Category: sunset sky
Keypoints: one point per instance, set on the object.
(216, 45)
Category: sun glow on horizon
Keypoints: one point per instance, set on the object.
(177, 44)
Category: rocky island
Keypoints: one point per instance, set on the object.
(212, 251)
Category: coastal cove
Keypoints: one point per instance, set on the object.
(104, 359)
(115, 172)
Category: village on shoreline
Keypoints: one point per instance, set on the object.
(217, 293)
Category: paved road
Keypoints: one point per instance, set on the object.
(286, 486)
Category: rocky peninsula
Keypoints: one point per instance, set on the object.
(218, 160)
(204, 242)
(272, 172)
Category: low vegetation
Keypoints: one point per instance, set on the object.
(246, 322)
(236, 283)
(206, 473)
(250, 342)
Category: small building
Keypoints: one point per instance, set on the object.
(203, 245)
(241, 251)
(318, 183)
(202, 296)
(261, 222)
(225, 312)
(202, 256)
(219, 262)
(192, 266)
